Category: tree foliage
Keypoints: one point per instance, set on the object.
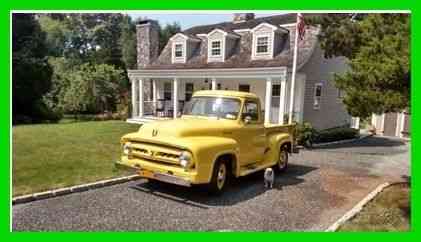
(87, 88)
(73, 63)
(128, 43)
(165, 33)
(31, 73)
(378, 49)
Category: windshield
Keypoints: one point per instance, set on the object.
(227, 108)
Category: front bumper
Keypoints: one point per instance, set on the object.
(150, 170)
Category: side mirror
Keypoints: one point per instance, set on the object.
(247, 119)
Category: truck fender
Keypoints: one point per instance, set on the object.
(213, 150)
(277, 141)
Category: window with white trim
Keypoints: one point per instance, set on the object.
(341, 94)
(178, 50)
(216, 48)
(317, 95)
(262, 45)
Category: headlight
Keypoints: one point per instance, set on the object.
(126, 148)
(185, 159)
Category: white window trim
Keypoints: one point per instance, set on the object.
(181, 59)
(318, 84)
(269, 54)
(213, 58)
(211, 48)
(268, 36)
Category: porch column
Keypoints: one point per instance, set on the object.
(154, 93)
(268, 99)
(213, 83)
(282, 100)
(141, 99)
(134, 98)
(175, 97)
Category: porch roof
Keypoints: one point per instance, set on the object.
(263, 72)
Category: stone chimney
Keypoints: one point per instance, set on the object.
(242, 17)
(147, 33)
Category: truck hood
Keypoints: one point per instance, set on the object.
(186, 127)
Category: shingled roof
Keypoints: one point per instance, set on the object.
(230, 26)
(241, 57)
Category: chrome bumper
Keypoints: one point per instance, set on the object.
(168, 178)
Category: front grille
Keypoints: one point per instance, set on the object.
(155, 152)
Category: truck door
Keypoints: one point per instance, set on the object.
(253, 137)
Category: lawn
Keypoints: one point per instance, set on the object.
(48, 156)
(389, 211)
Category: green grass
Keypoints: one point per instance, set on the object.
(389, 211)
(48, 156)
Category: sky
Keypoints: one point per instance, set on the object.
(189, 20)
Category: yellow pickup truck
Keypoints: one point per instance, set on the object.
(220, 135)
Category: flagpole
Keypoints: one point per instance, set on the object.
(294, 69)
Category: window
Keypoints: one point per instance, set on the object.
(276, 90)
(216, 48)
(244, 88)
(250, 109)
(189, 91)
(341, 94)
(167, 91)
(227, 108)
(262, 46)
(317, 95)
(178, 50)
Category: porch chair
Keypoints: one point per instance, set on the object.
(160, 107)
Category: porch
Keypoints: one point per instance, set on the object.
(162, 94)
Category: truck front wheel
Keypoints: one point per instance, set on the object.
(219, 178)
(282, 163)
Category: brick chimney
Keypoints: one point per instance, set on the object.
(147, 33)
(242, 17)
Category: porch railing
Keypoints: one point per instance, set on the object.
(162, 108)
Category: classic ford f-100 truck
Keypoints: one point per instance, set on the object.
(220, 135)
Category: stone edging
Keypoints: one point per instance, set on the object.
(342, 141)
(73, 189)
(357, 208)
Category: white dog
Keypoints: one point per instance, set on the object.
(269, 177)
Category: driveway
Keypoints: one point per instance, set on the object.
(318, 188)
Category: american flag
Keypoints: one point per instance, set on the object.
(301, 26)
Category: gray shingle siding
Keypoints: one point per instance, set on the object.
(332, 111)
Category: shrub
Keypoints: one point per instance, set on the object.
(305, 134)
(335, 134)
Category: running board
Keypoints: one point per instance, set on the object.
(244, 171)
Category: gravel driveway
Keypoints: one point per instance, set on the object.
(319, 187)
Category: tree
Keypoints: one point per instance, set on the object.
(165, 33)
(128, 42)
(87, 89)
(377, 48)
(57, 34)
(31, 73)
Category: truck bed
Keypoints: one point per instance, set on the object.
(286, 128)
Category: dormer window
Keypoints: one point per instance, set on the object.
(183, 47)
(267, 39)
(220, 45)
(178, 50)
(216, 48)
(262, 45)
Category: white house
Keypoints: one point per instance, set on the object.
(248, 54)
